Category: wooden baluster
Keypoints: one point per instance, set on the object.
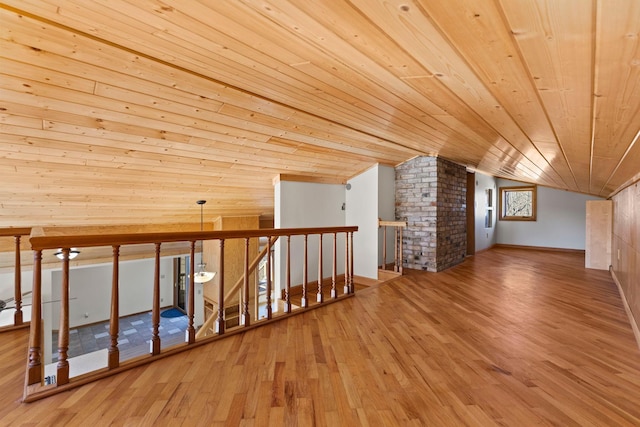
(395, 249)
(320, 297)
(155, 316)
(17, 315)
(352, 287)
(346, 288)
(114, 352)
(220, 319)
(287, 289)
(63, 330)
(384, 247)
(246, 317)
(268, 290)
(304, 303)
(400, 263)
(334, 269)
(34, 366)
(191, 302)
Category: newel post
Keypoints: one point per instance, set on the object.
(34, 366)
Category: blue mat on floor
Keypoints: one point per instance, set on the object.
(172, 312)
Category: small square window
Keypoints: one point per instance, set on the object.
(518, 203)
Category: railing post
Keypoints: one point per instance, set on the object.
(268, 290)
(62, 373)
(155, 317)
(220, 319)
(304, 303)
(395, 248)
(400, 262)
(352, 287)
(287, 289)
(191, 330)
(320, 297)
(17, 315)
(34, 366)
(384, 247)
(346, 288)
(246, 317)
(114, 352)
(334, 270)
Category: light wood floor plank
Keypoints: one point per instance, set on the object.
(509, 337)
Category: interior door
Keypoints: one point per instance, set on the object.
(180, 275)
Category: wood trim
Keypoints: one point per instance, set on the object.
(83, 241)
(34, 392)
(307, 178)
(634, 324)
(537, 248)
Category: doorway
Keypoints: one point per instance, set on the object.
(180, 288)
(471, 213)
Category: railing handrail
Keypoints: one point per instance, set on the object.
(15, 231)
(42, 242)
(402, 224)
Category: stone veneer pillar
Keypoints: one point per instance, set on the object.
(431, 198)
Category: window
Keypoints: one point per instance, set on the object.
(518, 203)
(488, 216)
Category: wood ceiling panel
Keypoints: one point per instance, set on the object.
(617, 89)
(127, 111)
(560, 64)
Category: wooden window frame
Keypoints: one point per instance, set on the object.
(534, 207)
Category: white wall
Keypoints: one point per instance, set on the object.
(386, 206)
(305, 204)
(7, 283)
(561, 220)
(90, 290)
(485, 237)
(361, 199)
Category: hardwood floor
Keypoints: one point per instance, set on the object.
(509, 338)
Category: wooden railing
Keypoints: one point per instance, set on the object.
(397, 226)
(16, 300)
(208, 325)
(35, 385)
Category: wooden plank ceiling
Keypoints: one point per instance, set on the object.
(128, 111)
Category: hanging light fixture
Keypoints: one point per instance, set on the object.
(73, 252)
(202, 276)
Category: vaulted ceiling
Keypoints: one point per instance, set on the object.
(126, 112)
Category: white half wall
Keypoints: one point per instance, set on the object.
(371, 196)
(561, 220)
(305, 204)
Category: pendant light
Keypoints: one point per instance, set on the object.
(202, 276)
(73, 252)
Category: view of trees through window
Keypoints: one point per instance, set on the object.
(518, 203)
